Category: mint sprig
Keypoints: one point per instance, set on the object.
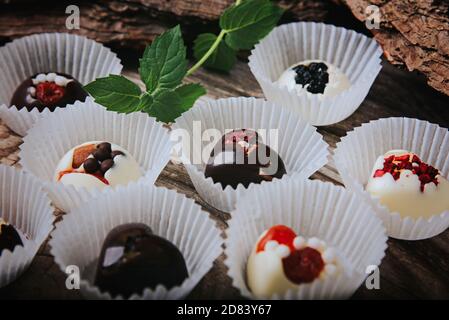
(163, 65)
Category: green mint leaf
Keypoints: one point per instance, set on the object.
(248, 22)
(166, 105)
(164, 62)
(223, 58)
(116, 93)
(189, 93)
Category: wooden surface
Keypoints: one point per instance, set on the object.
(133, 23)
(409, 270)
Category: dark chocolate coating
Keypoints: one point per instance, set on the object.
(9, 237)
(144, 260)
(253, 163)
(73, 92)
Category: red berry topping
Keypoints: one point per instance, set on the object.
(49, 93)
(303, 266)
(280, 233)
(395, 164)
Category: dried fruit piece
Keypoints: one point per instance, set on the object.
(303, 266)
(395, 164)
(81, 154)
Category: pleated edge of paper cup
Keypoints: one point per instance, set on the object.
(22, 256)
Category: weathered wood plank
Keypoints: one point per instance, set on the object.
(409, 270)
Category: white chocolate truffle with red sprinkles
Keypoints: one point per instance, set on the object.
(281, 260)
(314, 77)
(407, 185)
(97, 164)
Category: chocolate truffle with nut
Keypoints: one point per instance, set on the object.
(97, 164)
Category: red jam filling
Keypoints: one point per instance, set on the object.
(98, 176)
(281, 234)
(395, 164)
(303, 266)
(49, 92)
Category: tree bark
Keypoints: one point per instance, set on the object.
(414, 33)
(131, 23)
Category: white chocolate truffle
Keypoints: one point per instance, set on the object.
(405, 184)
(116, 167)
(277, 252)
(337, 80)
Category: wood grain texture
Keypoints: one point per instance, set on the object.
(132, 23)
(413, 33)
(410, 269)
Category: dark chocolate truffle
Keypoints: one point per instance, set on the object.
(9, 237)
(133, 258)
(241, 158)
(48, 90)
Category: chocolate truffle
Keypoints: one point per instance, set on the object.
(133, 258)
(240, 157)
(314, 77)
(97, 164)
(405, 184)
(281, 260)
(9, 237)
(48, 90)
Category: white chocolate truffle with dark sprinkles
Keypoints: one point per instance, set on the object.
(281, 261)
(314, 77)
(405, 184)
(97, 164)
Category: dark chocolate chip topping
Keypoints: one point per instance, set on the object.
(103, 159)
(313, 77)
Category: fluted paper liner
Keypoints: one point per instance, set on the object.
(355, 54)
(357, 152)
(169, 214)
(25, 205)
(55, 134)
(301, 148)
(311, 209)
(78, 56)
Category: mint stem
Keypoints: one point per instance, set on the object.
(211, 49)
(207, 54)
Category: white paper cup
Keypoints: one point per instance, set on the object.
(356, 154)
(82, 58)
(25, 205)
(355, 54)
(55, 134)
(301, 148)
(78, 239)
(311, 209)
